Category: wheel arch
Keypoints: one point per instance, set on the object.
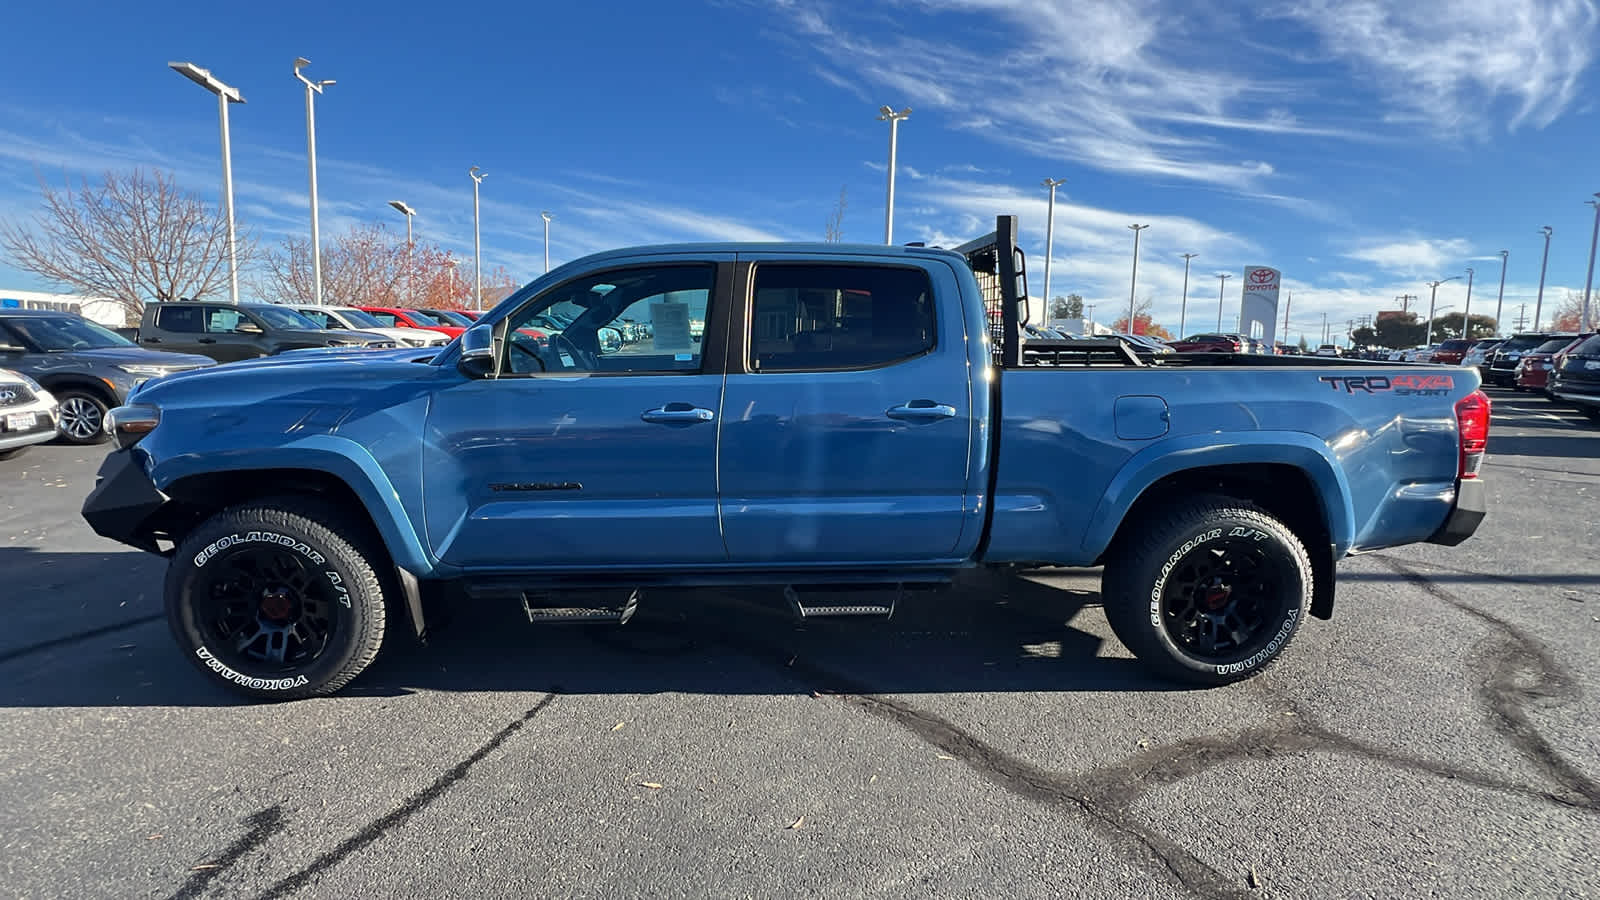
(1305, 492)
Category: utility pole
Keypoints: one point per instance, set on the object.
(1050, 240)
(1286, 304)
(1133, 280)
(1522, 317)
(547, 217)
(1501, 298)
(225, 95)
(1183, 311)
(1222, 280)
(1538, 306)
(887, 114)
(1465, 310)
(1433, 298)
(313, 88)
(477, 237)
(1588, 280)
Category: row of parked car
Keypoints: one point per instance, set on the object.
(1563, 366)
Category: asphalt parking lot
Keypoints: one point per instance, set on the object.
(1439, 737)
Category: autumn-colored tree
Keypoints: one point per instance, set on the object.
(130, 237)
(368, 266)
(1571, 310)
(1143, 323)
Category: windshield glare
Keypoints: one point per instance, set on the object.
(278, 317)
(358, 318)
(63, 333)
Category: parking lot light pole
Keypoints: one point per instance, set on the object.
(1222, 281)
(1050, 240)
(477, 241)
(408, 212)
(887, 114)
(1183, 311)
(1133, 280)
(312, 89)
(546, 217)
(1501, 299)
(1538, 304)
(1588, 280)
(225, 95)
(1465, 310)
(1432, 298)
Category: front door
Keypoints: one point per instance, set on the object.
(595, 445)
(225, 341)
(847, 418)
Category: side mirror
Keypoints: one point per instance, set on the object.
(247, 328)
(477, 351)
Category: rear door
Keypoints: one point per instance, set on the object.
(847, 415)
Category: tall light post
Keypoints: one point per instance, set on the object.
(312, 89)
(477, 241)
(546, 217)
(408, 212)
(1133, 280)
(1538, 305)
(1432, 298)
(1183, 311)
(225, 95)
(1467, 309)
(887, 114)
(1588, 280)
(1222, 281)
(1050, 240)
(1501, 299)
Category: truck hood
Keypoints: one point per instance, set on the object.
(324, 368)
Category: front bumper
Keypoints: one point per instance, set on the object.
(45, 427)
(1465, 516)
(123, 501)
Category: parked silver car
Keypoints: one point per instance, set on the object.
(28, 413)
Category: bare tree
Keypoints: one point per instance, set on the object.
(131, 237)
(368, 266)
(835, 228)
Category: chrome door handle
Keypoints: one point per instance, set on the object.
(678, 414)
(921, 411)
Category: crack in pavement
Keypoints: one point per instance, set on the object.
(74, 638)
(261, 826)
(1106, 795)
(382, 825)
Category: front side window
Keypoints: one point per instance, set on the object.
(322, 319)
(837, 317)
(223, 321)
(648, 319)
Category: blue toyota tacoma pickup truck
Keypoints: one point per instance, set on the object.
(839, 423)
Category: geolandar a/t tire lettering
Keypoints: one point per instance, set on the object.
(278, 599)
(1210, 590)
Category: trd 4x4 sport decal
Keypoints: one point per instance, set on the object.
(1404, 385)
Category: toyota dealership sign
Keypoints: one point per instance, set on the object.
(1258, 307)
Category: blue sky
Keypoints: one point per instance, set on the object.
(1362, 147)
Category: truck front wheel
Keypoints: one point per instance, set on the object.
(1210, 591)
(278, 599)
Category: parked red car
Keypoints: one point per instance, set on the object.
(1533, 370)
(1208, 343)
(1451, 352)
(395, 317)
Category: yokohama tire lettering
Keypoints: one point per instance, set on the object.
(245, 681)
(1265, 653)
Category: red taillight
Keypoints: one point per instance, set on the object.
(1472, 431)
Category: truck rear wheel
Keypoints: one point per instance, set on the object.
(278, 599)
(1211, 591)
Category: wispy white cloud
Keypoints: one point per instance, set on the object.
(1414, 256)
(1445, 61)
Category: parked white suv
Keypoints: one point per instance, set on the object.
(360, 320)
(28, 413)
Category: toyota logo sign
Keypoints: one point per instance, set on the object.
(1262, 276)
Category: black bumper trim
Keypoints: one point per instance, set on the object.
(122, 501)
(1465, 517)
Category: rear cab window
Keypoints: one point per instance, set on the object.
(834, 317)
(181, 319)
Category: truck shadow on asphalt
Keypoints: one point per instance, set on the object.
(76, 642)
(1577, 446)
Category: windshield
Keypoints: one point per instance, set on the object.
(426, 317)
(358, 318)
(1591, 347)
(452, 318)
(278, 317)
(1523, 343)
(65, 333)
(1553, 345)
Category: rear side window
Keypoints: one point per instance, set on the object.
(1591, 347)
(834, 317)
(185, 319)
(389, 320)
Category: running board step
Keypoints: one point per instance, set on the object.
(557, 608)
(837, 600)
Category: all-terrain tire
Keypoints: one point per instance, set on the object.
(1208, 565)
(295, 571)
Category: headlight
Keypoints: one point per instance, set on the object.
(144, 371)
(128, 424)
(34, 386)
